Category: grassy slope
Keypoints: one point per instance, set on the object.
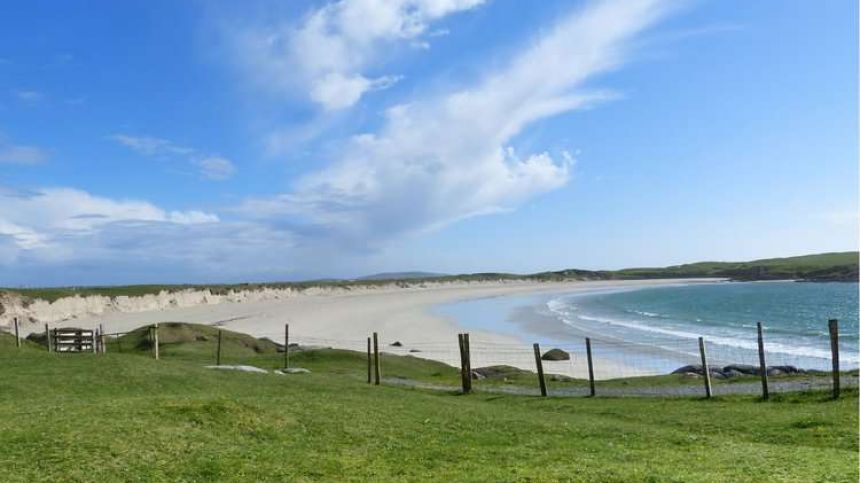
(126, 416)
(826, 266)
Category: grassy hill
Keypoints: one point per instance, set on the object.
(125, 416)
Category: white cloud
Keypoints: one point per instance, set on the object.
(446, 158)
(216, 168)
(21, 154)
(28, 96)
(46, 219)
(151, 146)
(332, 47)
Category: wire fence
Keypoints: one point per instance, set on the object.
(669, 366)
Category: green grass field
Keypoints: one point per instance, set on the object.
(124, 416)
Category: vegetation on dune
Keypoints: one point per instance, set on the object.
(841, 266)
(123, 416)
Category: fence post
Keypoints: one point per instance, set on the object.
(462, 362)
(468, 360)
(54, 339)
(156, 342)
(539, 364)
(17, 338)
(286, 346)
(102, 340)
(369, 362)
(376, 358)
(48, 337)
(833, 325)
(705, 369)
(762, 365)
(218, 353)
(94, 335)
(590, 366)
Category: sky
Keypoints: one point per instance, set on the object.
(167, 141)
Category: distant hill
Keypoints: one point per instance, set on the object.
(823, 267)
(842, 266)
(403, 276)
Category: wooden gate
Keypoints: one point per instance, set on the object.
(73, 340)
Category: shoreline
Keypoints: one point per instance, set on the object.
(344, 320)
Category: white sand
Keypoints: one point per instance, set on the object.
(345, 319)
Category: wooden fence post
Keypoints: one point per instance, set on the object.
(286, 346)
(102, 344)
(376, 358)
(17, 337)
(369, 363)
(54, 339)
(468, 354)
(94, 335)
(157, 355)
(462, 347)
(218, 353)
(705, 369)
(539, 364)
(762, 365)
(48, 337)
(590, 366)
(833, 325)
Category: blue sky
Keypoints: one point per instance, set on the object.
(169, 141)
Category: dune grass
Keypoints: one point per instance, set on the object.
(125, 416)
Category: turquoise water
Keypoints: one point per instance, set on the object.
(671, 318)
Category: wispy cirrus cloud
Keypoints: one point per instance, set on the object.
(329, 51)
(211, 167)
(28, 96)
(11, 153)
(448, 157)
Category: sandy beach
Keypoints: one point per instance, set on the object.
(344, 319)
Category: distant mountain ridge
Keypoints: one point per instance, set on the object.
(403, 276)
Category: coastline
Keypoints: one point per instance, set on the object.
(344, 319)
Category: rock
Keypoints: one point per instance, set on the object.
(239, 368)
(497, 372)
(692, 368)
(787, 369)
(560, 378)
(294, 370)
(396, 344)
(732, 373)
(697, 369)
(477, 376)
(555, 355)
(743, 369)
(414, 350)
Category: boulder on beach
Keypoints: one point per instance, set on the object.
(698, 370)
(396, 344)
(745, 369)
(555, 355)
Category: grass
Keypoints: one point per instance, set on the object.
(125, 416)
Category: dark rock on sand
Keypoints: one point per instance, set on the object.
(555, 355)
(396, 344)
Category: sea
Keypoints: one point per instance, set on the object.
(656, 329)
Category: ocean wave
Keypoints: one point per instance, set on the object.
(646, 314)
(771, 347)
